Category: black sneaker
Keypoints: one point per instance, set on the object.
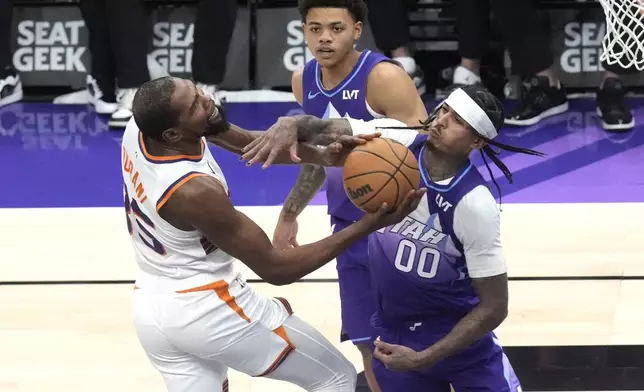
(612, 109)
(540, 101)
(10, 86)
(419, 80)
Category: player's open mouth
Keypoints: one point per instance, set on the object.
(325, 52)
(212, 118)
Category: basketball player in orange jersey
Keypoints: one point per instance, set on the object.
(194, 315)
(342, 81)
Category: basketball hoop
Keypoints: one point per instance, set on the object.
(623, 43)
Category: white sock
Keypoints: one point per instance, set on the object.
(408, 63)
(463, 75)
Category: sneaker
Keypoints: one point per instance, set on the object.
(123, 114)
(102, 99)
(10, 87)
(461, 77)
(540, 101)
(419, 80)
(612, 109)
(415, 73)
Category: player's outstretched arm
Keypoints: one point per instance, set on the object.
(203, 204)
(236, 138)
(287, 132)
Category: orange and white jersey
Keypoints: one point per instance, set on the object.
(168, 257)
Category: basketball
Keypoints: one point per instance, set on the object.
(380, 171)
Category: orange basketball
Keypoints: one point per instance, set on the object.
(380, 171)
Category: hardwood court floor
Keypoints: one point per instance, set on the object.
(68, 337)
(75, 337)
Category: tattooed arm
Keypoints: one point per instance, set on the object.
(313, 130)
(308, 184)
(316, 131)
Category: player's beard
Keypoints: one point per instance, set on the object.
(218, 124)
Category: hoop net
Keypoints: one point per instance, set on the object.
(623, 43)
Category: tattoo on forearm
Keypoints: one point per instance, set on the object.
(315, 130)
(308, 183)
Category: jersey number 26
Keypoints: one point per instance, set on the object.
(132, 210)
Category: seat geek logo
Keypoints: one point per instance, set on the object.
(297, 54)
(49, 46)
(173, 46)
(583, 46)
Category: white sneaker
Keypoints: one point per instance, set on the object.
(10, 89)
(123, 114)
(96, 96)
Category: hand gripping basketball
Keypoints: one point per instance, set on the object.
(336, 153)
(385, 216)
(380, 170)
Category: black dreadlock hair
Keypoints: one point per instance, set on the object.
(494, 110)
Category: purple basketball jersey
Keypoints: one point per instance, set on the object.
(347, 99)
(417, 265)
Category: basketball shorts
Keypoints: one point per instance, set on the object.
(356, 297)
(193, 336)
(482, 367)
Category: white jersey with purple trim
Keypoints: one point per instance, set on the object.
(164, 253)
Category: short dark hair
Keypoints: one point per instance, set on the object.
(357, 8)
(152, 107)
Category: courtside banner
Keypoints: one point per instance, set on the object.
(50, 45)
(281, 48)
(172, 36)
(577, 45)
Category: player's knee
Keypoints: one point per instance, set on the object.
(344, 380)
(348, 379)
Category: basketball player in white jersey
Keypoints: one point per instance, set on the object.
(194, 315)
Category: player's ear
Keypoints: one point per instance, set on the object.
(357, 30)
(479, 143)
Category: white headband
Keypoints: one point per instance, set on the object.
(471, 112)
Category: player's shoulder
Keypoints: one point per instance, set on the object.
(386, 72)
(193, 188)
(131, 128)
(297, 83)
(478, 203)
(297, 75)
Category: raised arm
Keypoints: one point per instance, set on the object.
(390, 91)
(234, 139)
(203, 204)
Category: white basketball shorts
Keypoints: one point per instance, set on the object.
(193, 336)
